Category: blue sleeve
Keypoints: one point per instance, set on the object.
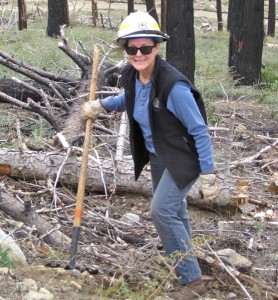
(183, 105)
(114, 103)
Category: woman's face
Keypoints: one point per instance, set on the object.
(143, 62)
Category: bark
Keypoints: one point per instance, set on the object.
(94, 13)
(271, 18)
(22, 15)
(101, 177)
(15, 209)
(151, 9)
(219, 15)
(180, 52)
(246, 26)
(58, 15)
(130, 6)
(163, 15)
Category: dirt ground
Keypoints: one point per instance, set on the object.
(112, 266)
(105, 259)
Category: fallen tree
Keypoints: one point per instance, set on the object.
(56, 98)
(103, 174)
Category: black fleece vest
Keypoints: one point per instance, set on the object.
(174, 146)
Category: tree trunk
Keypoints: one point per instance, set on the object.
(246, 26)
(180, 51)
(151, 9)
(271, 18)
(22, 16)
(101, 177)
(130, 6)
(94, 13)
(219, 15)
(163, 15)
(58, 15)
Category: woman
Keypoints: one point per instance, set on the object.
(168, 129)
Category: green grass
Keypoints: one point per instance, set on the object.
(212, 75)
(5, 260)
(213, 78)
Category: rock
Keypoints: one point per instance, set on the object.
(29, 284)
(130, 218)
(7, 271)
(224, 225)
(42, 294)
(76, 285)
(15, 253)
(234, 259)
(61, 271)
(76, 273)
(231, 296)
(85, 274)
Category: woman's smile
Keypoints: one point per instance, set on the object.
(143, 63)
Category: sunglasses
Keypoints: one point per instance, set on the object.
(144, 50)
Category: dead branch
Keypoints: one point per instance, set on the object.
(22, 69)
(121, 139)
(42, 73)
(230, 271)
(218, 264)
(76, 57)
(40, 92)
(16, 210)
(250, 159)
(124, 236)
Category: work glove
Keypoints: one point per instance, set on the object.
(92, 109)
(209, 187)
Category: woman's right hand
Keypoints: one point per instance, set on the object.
(92, 109)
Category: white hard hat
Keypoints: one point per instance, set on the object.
(140, 24)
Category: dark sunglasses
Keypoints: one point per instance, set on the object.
(144, 50)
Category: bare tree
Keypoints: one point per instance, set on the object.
(180, 52)
(151, 9)
(94, 13)
(219, 15)
(246, 27)
(22, 15)
(130, 6)
(271, 18)
(58, 14)
(163, 15)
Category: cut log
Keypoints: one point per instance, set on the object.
(101, 177)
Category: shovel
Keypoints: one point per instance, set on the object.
(84, 165)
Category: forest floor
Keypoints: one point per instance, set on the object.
(113, 267)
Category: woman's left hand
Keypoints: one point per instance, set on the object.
(209, 187)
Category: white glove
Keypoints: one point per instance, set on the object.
(209, 187)
(92, 109)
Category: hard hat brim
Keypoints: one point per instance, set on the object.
(158, 36)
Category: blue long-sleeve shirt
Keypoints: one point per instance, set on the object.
(182, 104)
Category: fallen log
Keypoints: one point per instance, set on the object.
(103, 175)
(16, 210)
